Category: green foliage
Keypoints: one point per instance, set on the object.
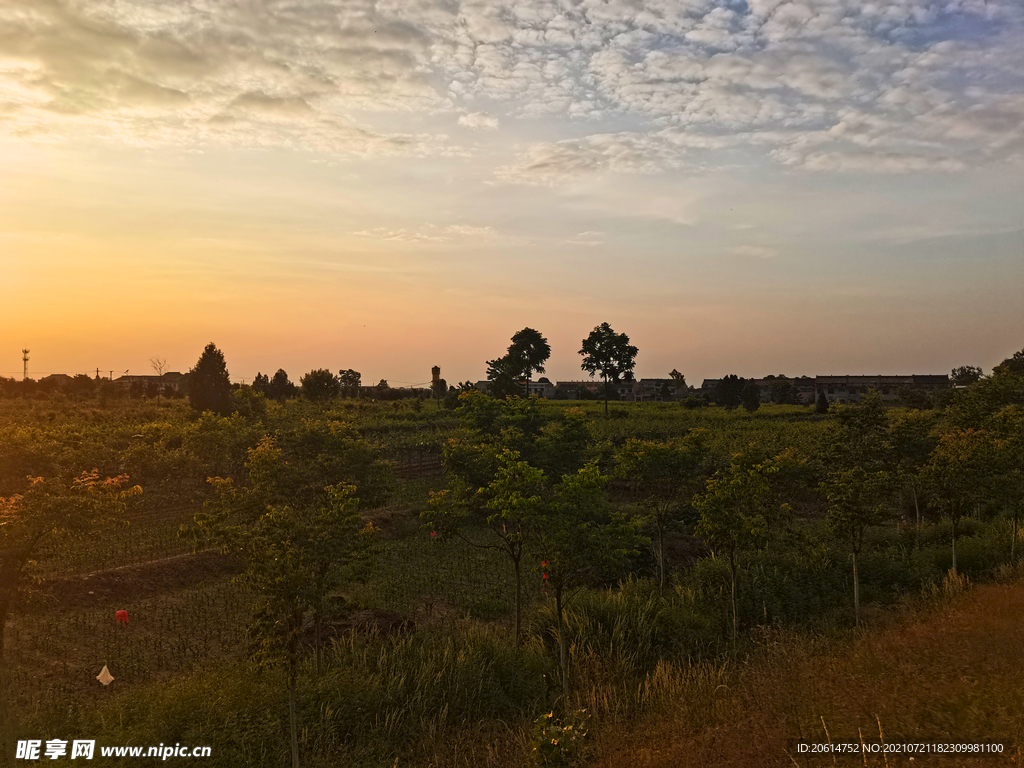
(320, 385)
(821, 404)
(664, 477)
(566, 444)
(958, 472)
(1013, 365)
(526, 354)
(965, 375)
(48, 507)
(609, 354)
(857, 500)
(557, 742)
(350, 381)
(750, 396)
(784, 392)
(729, 391)
(737, 513)
(248, 403)
(280, 387)
(208, 384)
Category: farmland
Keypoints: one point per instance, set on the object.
(418, 662)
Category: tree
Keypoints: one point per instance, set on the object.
(320, 385)
(965, 375)
(729, 391)
(910, 434)
(916, 399)
(1011, 365)
(864, 437)
(280, 387)
(82, 385)
(663, 477)
(350, 382)
(578, 535)
(1007, 467)
(821, 405)
(503, 378)
(159, 366)
(784, 392)
(261, 383)
(735, 515)
(47, 507)
(609, 354)
(680, 382)
(529, 351)
(750, 396)
(957, 474)
(295, 555)
(526, 354)
(509, 505)
(856, 501)
(208, 384)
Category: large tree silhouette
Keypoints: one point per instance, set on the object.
(209, 386)
(610, 354)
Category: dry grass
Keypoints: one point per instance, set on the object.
(951, 673)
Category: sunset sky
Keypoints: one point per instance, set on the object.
(759, 187)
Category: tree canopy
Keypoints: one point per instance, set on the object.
(320, 385)
(609, 354)
(209, 386)
(527, 354)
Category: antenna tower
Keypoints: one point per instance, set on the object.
(24, 359)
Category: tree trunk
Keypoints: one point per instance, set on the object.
(5, 605)
(856, 592)
(735, 614)
(517, 561)
(1013, 559)
(955, 523)
(319, 652)
(5, 715)
(606, 397)
(563, 646)
(292, 674)
(661, 555)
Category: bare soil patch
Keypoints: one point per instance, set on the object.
(133, 582)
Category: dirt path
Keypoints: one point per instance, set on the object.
(138, 580)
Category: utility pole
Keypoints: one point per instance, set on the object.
(24, 359)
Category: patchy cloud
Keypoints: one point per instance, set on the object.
(479, 120)
(548, 163)
(587, 238)
(835, 85)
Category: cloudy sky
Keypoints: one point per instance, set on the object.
(751, 187)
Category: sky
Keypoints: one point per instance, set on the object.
(741, 186)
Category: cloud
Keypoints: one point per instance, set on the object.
(194, 72)
(479, 120)
(587, 238)
(547, 163)
(429, 233)
(837, 85)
